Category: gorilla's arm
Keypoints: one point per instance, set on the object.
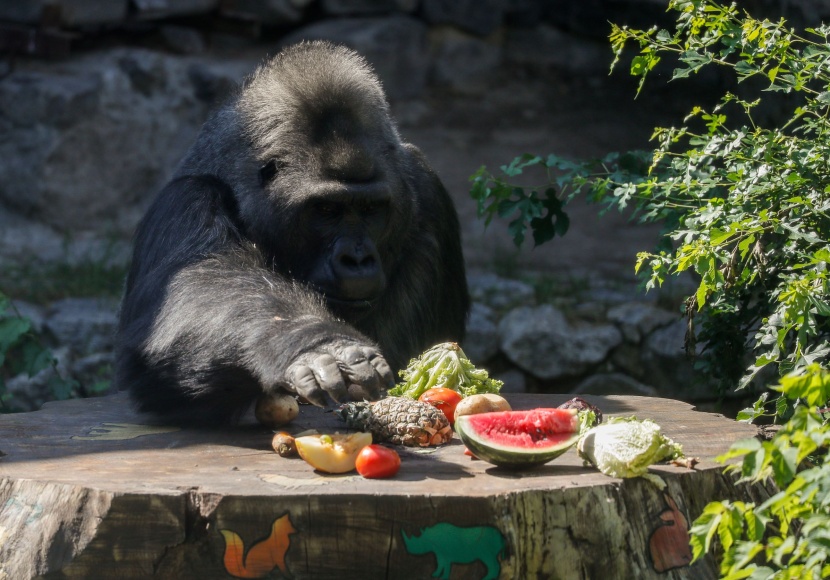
(206, 327)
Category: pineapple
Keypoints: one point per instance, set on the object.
(399, 420)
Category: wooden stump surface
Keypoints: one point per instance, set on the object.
(91, 489)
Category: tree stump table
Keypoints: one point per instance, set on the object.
(91, 489)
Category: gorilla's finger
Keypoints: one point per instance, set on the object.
(356, 365)
(364, 381)
(329, 377)
(382, 367)
(305, 384)
(363, 393)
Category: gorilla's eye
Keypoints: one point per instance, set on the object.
(327, 208)
(268, 171)
(375, 207)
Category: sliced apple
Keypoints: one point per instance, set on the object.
(335, 453)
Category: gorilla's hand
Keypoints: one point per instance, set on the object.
(339, 371)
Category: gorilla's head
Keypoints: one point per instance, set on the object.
(321, 181)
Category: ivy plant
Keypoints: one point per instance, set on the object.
(21, 351)
(744, 200)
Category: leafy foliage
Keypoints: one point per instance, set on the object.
(42, 283)
(22, 352)
(787, 536)
(746, 207)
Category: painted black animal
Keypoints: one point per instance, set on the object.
(301, 245)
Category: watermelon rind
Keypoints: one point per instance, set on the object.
(511, 456)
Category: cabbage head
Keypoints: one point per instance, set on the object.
(626, 447)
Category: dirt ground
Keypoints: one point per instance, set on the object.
(578, 118)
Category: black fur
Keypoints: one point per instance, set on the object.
(299, 240)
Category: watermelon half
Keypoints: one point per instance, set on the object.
(519, 438)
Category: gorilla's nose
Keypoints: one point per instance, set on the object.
(356, 266)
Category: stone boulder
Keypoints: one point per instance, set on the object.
(90, 139)
(268, 12)
(613, 384)
(72, 13)
(462, 62)
(84, 325)
(637, 320)
(500, 294)
(667, 367)
(480, 17)
(541, 341)
(481, 341)
(360, 7)
(548, 47)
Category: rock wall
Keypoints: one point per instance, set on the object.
(86, 140)
(588, 338)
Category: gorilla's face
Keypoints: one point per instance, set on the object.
(340, 194)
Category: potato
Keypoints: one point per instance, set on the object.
(486, 403)
(276, 409)
(283, 444)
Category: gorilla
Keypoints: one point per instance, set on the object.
(301, 245)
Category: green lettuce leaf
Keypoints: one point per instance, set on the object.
(444, 365)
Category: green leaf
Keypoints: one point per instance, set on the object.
(740, 448)
(562, 224)
(34, 358)
(517, 228)
(745, 69)
(704, 529)
(11, 330)
(519, 164)
(543, 230)
(784, 463)
(717, 237)
(701, 294)
(61, 388)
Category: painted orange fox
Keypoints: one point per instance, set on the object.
(263, 556)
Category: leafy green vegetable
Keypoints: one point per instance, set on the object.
(444, 365)
(626, 447)
(587, 420)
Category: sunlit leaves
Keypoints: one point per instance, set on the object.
(745, 206)
(797, 514)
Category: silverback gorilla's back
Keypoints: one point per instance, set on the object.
(301, 246)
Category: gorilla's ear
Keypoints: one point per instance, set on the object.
(267, 172)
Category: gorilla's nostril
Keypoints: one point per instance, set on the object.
(349, 262)
(357, 264)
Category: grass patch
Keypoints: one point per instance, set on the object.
(42, 283)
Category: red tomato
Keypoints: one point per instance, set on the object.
(376, 462)
(444, 399)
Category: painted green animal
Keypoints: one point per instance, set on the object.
(456, 545)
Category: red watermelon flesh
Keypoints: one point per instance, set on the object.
(520, 437)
